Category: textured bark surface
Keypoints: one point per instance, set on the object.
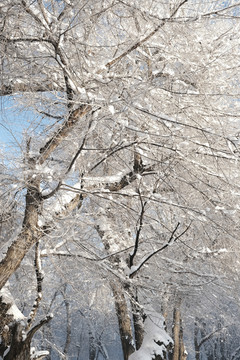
(19, 348)
(183, 353)
(138, 322)
(124, 320)
(138, 328)
(27, 237)
(176, 332)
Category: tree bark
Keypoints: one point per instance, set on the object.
(28, 236)
(183, 353)
(179, 352)
(124, 320)
(138, 320)
(92, 346)
(176, 333)
(19, 349)
(196, 345)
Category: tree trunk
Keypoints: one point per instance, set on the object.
(196, 345)
(20, 348)
(164, 307)
(176, 332)
(138, 319)
(138, 327)
(124, 320)
(179, 352)
(92, 346)
(28, 236)
(20, 340)
(183, 353)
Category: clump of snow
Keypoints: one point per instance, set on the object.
(111, 109)
(13, 310)
(155, 340)
(38, 354)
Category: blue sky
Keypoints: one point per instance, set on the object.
(11, 123)
(14, 122)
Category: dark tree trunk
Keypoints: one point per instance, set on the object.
(19, 348)
(196, 343)
(138, 320)
(92, 346)
(179, 348)
(124, 321)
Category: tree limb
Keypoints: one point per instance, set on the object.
(170, 241)
(139, 229)
(59, 135)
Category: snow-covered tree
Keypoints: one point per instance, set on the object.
(125, 185)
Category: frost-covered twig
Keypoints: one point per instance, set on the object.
(146, 38)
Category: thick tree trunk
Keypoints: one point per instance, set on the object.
(92, 346)
(20, 348)
(183, 352)
(28, 236)
(138, 327)
(176, 332)
(124, 320)
(138, 321)
(18, 340)
(196, 346)
(179, 352)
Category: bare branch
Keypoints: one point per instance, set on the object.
(139, 229)
(170, 241)
(38, 326)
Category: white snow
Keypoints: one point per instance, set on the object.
(6, 351)
(13, 310)
(38, 354)
(155, 339)
(111, 109)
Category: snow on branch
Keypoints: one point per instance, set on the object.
(38, 355)
(35, 328)
(7, 302)
(140, 42)
(156, 341)
(59, 135)
(39, 276)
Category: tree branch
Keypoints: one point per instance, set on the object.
(59, 135)
(139, 229)
(38, 326)
(170, 241)
(146, 38)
